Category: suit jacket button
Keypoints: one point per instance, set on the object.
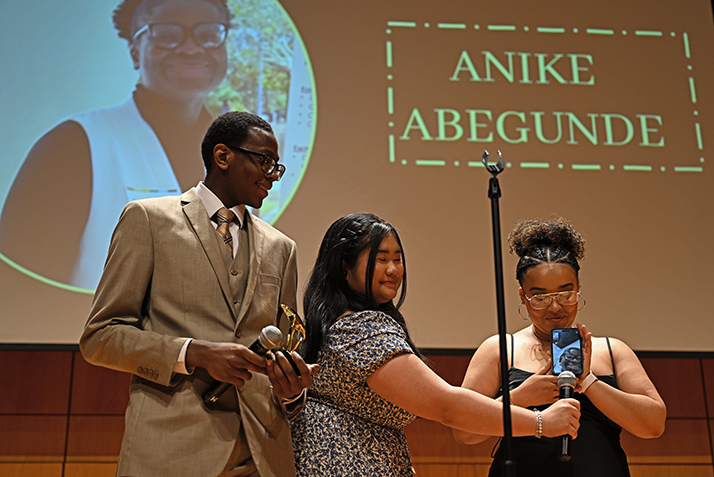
(235, 302)
(234, 272)
(238, 334)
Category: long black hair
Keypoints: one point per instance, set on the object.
(327, 293)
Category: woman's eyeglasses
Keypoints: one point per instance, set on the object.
(170, 35)
(543, 301)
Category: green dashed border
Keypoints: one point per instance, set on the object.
(548, 30)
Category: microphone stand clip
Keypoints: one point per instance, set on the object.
(495, 169)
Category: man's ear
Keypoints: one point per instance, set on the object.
(220, 156)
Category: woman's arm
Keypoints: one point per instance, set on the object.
(408, 383)
(636, 406)
(483, 376)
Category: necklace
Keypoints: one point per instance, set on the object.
(540, 341)
(538, 352)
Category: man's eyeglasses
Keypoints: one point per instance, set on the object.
(543, 301)
(170, 35)
(267, 163)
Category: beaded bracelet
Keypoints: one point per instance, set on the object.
(539, 424)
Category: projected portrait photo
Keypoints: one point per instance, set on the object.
(191, 60)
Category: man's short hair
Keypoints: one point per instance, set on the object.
(230, 128)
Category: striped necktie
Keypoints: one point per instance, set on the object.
(223, 218)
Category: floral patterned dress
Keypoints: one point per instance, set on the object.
(345, 428)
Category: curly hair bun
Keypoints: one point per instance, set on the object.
(530, 235)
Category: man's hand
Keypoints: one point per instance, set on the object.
(227, 362)
(286, 382)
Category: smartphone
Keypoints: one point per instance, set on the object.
(566, 350)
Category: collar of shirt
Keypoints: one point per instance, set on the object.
(213, 203)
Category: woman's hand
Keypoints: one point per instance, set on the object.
(540, 388)
(562, 418)
(587, 339)
(289, 381)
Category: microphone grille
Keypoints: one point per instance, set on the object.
(566, 378)
(270, 337)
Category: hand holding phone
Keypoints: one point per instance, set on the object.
(566, 350)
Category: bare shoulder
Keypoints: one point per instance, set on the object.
(489, 346)
(490, 350)
(482, 374)
(617, 351)
(487, 351)
(600, 344)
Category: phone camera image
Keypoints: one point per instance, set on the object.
(566, 351)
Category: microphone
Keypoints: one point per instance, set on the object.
(269, 338)
(566, 383)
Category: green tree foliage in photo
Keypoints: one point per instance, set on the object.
(260, 53)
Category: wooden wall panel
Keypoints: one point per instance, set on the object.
(451, 470)
(671, 471)
(97, 390)
(708, 378)
(711, 437)
(89, 470)
(685, 441)
(53, 434)
(451, 368)
(32, 438)
(35, 382)
(431, 442)
(30, 470)
(679, 382)
(94, 438)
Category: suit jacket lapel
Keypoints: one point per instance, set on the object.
(256, 240)
(198, 217)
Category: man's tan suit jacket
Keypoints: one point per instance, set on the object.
(166, 279)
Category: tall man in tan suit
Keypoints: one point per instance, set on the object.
(178, 304)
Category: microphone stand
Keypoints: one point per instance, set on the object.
(494, 192)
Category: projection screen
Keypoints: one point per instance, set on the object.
(602, 113)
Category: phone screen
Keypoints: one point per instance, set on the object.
(566, 350)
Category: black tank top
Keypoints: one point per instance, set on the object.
(595, 453)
